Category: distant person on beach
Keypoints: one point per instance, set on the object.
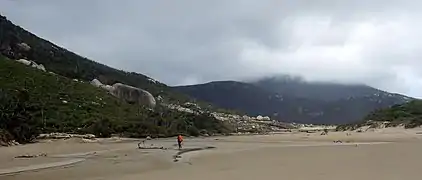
(180, 140)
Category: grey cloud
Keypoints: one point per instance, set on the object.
(191, 41)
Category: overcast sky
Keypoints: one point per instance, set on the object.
(376, 42)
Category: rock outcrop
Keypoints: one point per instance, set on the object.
(65, 136)
(128, 93)
(32, 64)
(96, 83)
(133, 95)
(242, 124)
(23, 46)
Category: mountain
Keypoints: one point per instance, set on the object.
(293, 100)
(57, 96)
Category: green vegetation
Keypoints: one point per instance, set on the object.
(32, 101)
(408, 114)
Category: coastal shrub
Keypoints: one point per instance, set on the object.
(33, 101)
(17, 117)
(407, 114)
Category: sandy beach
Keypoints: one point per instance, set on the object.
(387, 154)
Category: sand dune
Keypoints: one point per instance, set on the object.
(382, 154)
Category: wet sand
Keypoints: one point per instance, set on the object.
(383, 154)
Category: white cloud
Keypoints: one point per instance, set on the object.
(382, 51)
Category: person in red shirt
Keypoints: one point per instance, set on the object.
(180, 140)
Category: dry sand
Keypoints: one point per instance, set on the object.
(387, 154)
